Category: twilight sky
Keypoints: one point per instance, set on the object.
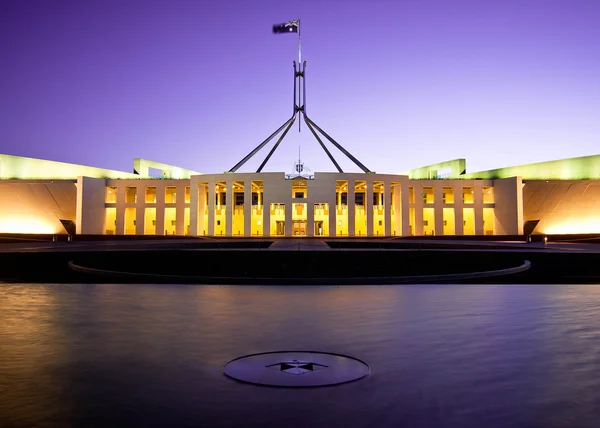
(399, 83)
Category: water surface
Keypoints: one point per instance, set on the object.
(442, 356)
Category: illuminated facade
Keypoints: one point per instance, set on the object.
(38, 196)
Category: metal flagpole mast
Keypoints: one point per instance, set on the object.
(300, 70)
(299, 45)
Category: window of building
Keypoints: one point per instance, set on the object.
(150, 195)
(299, 189)
(488, 195)
(448, 195)
(131, 195)
(411, 195)
(170, 195)
(111, 195)
(110, 224)
(468, 195)
(239, 199)
(187, 194)
(150, 221)
(428, 195)
(130, 228)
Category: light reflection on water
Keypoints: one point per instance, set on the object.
(443, 356)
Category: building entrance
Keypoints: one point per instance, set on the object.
(318, 228)
(299, 228)
(280, 228)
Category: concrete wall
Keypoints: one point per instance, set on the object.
(562, 207)
(90, 205)
(508, 194)
(36, 206)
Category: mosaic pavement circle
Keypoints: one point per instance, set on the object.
(296, 369)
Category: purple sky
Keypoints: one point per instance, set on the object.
(399, 83)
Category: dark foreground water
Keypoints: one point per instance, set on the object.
(442, 356)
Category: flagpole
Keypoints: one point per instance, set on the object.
(299, 45)
(300, 69)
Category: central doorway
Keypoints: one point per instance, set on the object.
(299, 228)
(280, 228)
(318, 228)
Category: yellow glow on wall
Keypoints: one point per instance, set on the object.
(489, 219)
(110, 222)
(170, 221)
(238, 220)
(150, 221)
(111, 195)
(572, 225)
(468, 195)
(186, 220)
(257, 220)
(360, 220)
(321, 219)
(277, 226)
(341, 220)
(468, 221)
(488, 195)
(448, 218)
(220, 219)
(130, 226)
(378, 220)
(22, 224)
(448, 194)
(428, 221)
(428, 195)
(205, 226)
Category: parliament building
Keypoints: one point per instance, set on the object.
(47, 197)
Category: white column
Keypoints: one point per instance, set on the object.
(139, 213)
(160, 209)
(387, 215)
(211, 208)
(351, 208)
(180, 210)
(266, 205)
(332, 207)
(200, 207)
(310, 217)
(438, 212)
(478, 205)
(193, 207)
(247, 207)
(405, 206)
(289, 207)
(120, 229)
(398, 217)
(230, 202)
(418, 209)
(369, 205)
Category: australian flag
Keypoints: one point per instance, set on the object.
(288, 27)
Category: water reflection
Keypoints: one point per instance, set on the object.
(151, 355)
